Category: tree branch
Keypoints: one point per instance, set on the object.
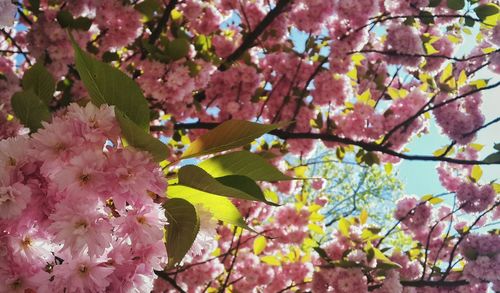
(368, 146)
(155, 34)
(249, 40)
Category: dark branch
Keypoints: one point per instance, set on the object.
(155, 34)
(249, 40)
(368, 146)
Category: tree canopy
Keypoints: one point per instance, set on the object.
(246, 146)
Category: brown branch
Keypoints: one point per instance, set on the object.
(155, 34)
(167, 278)
(430, 56)
(427, 108)
(249, 40)
(368, 146)
(424, 283)
(8, 36)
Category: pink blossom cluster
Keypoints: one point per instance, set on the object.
(474, 198)
(413, 214)
(120, 24)
(452, 176)
(339, 280)
(482, 252)
(459, 119)
(232, 91)
(404, 41)
(7, 13)
(9, 84)
(77, 210)
(47, 40)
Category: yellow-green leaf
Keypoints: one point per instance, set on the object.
(259, 244)
(228, 135)
(476, 173)
(221, 208)
(271, 260)
(235, 186)
(363, 217)
(344, 226)
(140, 139)
(242, 163)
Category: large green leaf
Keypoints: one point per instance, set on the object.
(39, 79)
(242, 163)
(222, 208)
(183, 226)
(29, 109)
(245, 184)
(195, 177)
(228, 135)
(456, 4)
(485, 10)
(108, 85)
(493, 158)
(138, 138)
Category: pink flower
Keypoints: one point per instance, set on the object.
(144, 225)
(81, 273)
(81, 225)
(13, 200)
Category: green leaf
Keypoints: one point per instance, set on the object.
(34, 5)
(177, 48)
(195, 177)
(108, 85)
(456, 4)
(138, 138)
(39, 79)
(110, 56)
(380, 256)
(426, 17)
(434, 3)
(485, 10)
(228, 135)
(221, 208)
(246, 185)
(242, 163)
(29, 109)
(64, 18)
(497, 146)
(183, 226)
(259, 244)
(148, 7)
(81, 23)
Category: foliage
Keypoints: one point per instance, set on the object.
(245, 146)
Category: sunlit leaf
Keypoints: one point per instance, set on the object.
(242, 163)
(228, 135)
(476, 173)
(235, 186)
(344, 226)
(221, 208)
(259, 244)
(271, 260)
(140, 139)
